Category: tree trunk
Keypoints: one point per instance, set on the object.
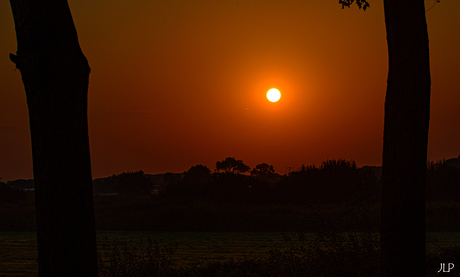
(407, 112)
(55, 74)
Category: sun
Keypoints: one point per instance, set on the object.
(273, 95)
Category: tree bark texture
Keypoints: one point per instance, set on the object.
(407, 112)
(55, 74)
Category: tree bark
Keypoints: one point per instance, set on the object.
(55, 74)
(407, 112)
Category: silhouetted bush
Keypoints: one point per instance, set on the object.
(196, 182)
(443, 182)
(335, 181)
(105, 185)
(133, 183)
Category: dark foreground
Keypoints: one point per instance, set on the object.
(232, 254)
(324, 254)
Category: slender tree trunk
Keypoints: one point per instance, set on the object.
(55, 74)
(407, 111)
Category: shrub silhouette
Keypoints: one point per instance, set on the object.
(334, 181)
(443, 182)
(133, 183)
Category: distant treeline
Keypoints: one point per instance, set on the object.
(333, 181)
(233, 197)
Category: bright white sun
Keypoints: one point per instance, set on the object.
(273, 95)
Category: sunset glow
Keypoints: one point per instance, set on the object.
(178, 83)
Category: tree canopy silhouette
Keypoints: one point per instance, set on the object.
(198, 174)
(263, 169)
(361, 3)
(231, 165)
(133, 183)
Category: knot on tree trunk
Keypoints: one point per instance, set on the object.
(14, 59)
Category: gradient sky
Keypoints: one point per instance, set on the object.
(179, 83)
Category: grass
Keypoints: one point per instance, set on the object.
(322, 254)
(18, 254)
(229, 253)
(344, 254)
(196, 247)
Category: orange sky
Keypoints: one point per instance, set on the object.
(181, 83)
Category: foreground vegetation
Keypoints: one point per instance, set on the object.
(326, 254)
(224, 253)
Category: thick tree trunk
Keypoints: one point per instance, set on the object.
(55, 74)
(407, 111)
